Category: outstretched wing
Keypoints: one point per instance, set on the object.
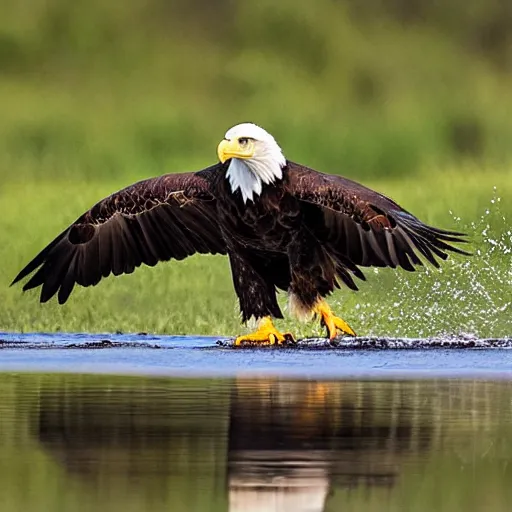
(366, 227)
(172, 216)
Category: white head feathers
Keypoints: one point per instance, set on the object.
(258, 161)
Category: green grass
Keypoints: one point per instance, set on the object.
(94, 97)
(196, 296)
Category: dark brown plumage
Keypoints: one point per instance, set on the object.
(306, 233)
(169, 217)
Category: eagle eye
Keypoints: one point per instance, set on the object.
(243, 141)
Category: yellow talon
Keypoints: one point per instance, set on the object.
(332, 323)
(266, 334)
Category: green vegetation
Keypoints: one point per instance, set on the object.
(196, 295)
(401, 95)
(378, 88)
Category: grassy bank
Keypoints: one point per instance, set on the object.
(196, 296)
(401, 95)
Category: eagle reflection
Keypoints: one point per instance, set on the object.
(255, 445)
(291, 443)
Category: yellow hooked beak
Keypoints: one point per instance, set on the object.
(234, 149)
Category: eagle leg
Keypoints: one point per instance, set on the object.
(332, 323)
(266, 334)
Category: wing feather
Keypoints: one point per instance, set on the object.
(169, 217)
(365, 227)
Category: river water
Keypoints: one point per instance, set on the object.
(251, 433)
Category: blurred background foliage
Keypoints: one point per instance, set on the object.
(411, 97)
(363, 87)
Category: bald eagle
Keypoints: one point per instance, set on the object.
(282, 225)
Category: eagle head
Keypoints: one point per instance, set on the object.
(256, 159)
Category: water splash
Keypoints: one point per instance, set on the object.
(467, 296)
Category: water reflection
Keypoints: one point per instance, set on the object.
(111, 443)
(290, 442)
